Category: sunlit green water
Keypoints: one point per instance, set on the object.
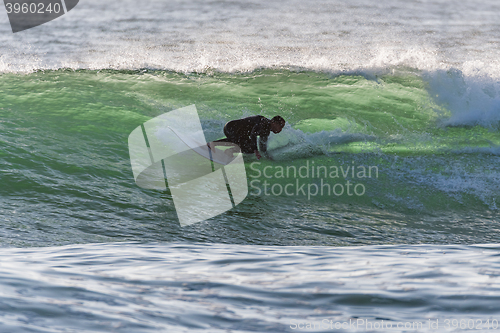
(66, 175)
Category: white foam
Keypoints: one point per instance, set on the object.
(471, 95)
(200, 36)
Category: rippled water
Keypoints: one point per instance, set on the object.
(195, 287)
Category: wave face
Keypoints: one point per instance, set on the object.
(392, 136)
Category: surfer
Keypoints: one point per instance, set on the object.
(244, 132)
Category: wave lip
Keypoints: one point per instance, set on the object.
(468, 97)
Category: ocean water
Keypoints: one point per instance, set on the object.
(379, 211)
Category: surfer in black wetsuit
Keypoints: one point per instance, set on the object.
(244, 132)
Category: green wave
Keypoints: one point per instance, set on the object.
(64, 154)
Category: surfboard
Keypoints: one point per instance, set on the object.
(214, 154)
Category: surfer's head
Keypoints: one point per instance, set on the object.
(277, 124)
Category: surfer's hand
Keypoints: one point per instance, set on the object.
(257, 154)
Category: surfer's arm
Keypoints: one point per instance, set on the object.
(253, 136)
(263, 144)
(257, 131)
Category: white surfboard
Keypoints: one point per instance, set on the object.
(214, 154)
